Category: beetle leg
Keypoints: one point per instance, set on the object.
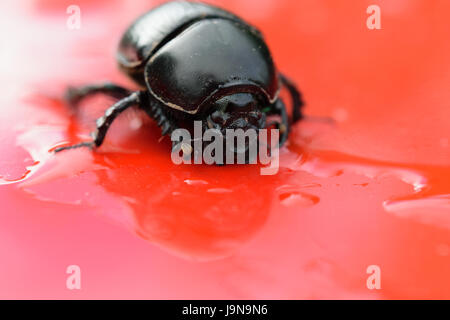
(284, 125)
(280, 109)
(106, 120)
(157, 112)
(74, 95)
(297, 101)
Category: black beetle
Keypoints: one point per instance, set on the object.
(195, 61)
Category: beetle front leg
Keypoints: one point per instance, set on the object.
(104, 122)
(165, 121)
(74, 95)
(157, 112)
(168, 125)
(297, 101)
(278, 108)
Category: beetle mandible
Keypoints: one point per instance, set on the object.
(195, 61)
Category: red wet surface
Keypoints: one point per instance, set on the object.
(372, 189)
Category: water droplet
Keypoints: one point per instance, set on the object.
(298, 198)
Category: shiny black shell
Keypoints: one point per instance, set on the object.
(189, 54)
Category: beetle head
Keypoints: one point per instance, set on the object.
(236, 111)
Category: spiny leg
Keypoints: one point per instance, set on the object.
(157, 111)
(278, 108)
(74, 95)
(106, 120)
(297, 101)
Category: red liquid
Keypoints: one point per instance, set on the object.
(371, 189)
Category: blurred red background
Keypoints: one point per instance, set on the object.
(372, 189)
